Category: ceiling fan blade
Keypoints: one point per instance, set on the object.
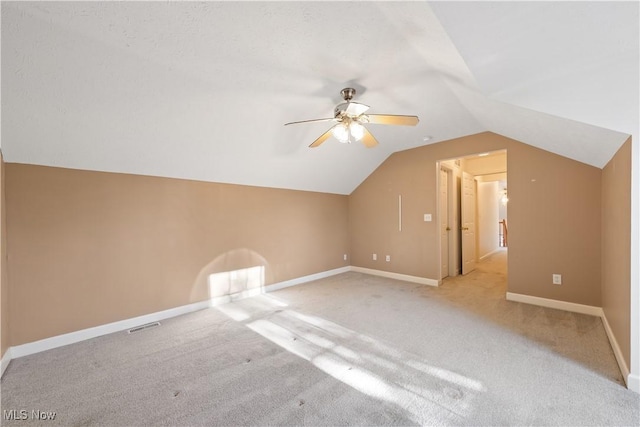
(368, 139)
(322, 138)
(389, 119)
(355, 108)
(310, 121)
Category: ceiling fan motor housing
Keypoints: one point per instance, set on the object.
(340, 110)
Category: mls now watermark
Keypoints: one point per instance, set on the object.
(23, 414)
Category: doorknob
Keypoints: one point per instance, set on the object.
(448, 228)
(464, 228)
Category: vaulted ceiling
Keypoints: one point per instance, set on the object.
(202, 90)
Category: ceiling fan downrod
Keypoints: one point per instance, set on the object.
(348, 93)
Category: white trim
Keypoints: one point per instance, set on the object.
(85, 334)
(495, 251)
(305, 279)
(616, 350)
(399, 212)
(633, 383)
(397, 276)
(559, 305)
(6, 359)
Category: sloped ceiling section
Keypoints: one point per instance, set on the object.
(570, 60)
(202, 90)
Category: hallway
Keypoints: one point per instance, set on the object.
(488, 281)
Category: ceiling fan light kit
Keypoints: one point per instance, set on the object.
(341, 132)
(350, 117)
(348, 131)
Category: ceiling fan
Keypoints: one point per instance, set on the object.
(350, 117)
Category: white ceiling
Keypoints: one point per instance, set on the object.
(202, 90)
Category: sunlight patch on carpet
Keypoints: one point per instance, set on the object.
(428, 394)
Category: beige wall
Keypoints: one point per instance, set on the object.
(616, 246)
(4, 289)
(554, 217)
(89, 248)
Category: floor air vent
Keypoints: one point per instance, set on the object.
(143, 327)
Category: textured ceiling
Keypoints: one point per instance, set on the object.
(202, 90)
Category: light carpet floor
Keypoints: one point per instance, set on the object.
(352, 349)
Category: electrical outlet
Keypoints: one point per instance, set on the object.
(557, 279)
(375, 257)
(388, 258)
(345, 257)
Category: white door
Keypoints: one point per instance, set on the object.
(444, 224)
(468, 208)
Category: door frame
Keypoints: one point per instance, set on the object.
(454, 194)
(453, 237)
(450, 223)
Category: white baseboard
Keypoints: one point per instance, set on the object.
(397, 276)
(6, 358)
(616, 350)
(495, 251)
(559, 305)
(97, 331)
(305, 279)
(85, 334)
(633, 383)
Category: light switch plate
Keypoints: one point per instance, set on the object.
(427, 217)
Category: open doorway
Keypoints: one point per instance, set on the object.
(472, 211)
